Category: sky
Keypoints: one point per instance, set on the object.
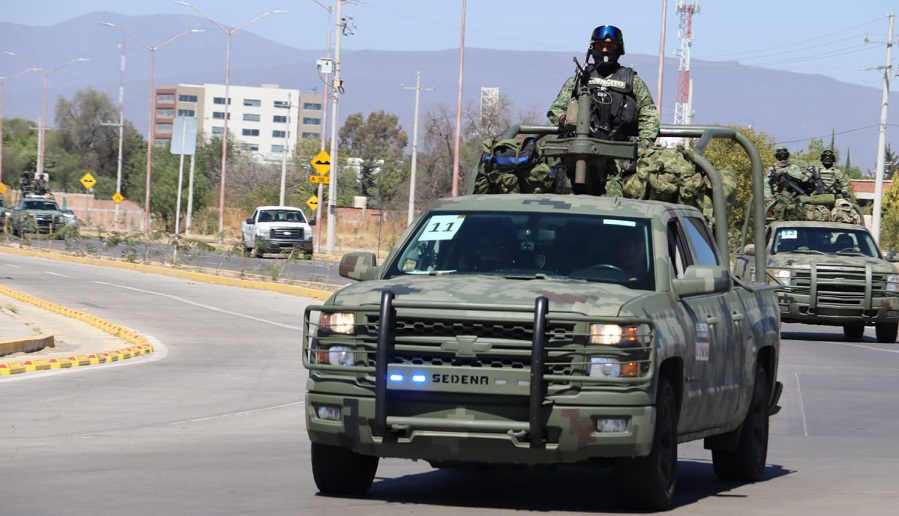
(807, 36)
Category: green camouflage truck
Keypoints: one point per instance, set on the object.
(513, 330)
(829, 273)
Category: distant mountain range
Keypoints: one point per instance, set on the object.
(791, 107)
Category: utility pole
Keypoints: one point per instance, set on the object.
(661, 57)
(458, 138)
(336, 91)
(881, 139)
(417, 89)
(318, 209)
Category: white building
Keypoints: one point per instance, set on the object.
(266, 120)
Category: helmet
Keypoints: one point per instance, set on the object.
(781, 153)
(608, 33)
(827, 156)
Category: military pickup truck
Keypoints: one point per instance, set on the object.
(36, 214)
(545, 330)
(829, 273)
(274, 229)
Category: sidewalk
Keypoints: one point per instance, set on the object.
(37, 335)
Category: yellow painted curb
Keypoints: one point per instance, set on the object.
(26, 344)
(141, 344)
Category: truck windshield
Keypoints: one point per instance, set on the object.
(281, 216)
(41, 205)
(824, 240)
(579, 247)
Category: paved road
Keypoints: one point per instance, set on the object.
(212, 422)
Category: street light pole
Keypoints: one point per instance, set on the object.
(43, 121)
(43, 136)
(151, 118)
(228, 33)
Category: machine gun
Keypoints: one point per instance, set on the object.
(816, 180)
(787, 184)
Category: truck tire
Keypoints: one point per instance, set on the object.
(648, 483)
(747, 462)
(854, 332)
(341, 471)
(886, 332)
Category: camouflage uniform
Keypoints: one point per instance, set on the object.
(834, 181)
(793, 172)
(647, 114)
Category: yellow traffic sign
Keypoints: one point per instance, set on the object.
(312, 202)
(325, 180)
(2, 188)
(88, 180)
(118, 198)
(321, 163)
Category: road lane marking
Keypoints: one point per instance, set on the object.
(801, 405)
(234, 414)
(60, 275)
(201, 305)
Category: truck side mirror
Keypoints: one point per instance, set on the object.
(249, 220)
(311, 222)
(702, 280)
(359, 265)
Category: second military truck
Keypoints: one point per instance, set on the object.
(829, 273)
(544, 330)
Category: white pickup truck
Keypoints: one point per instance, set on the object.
(273, 229)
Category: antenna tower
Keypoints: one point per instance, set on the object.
(682, 105)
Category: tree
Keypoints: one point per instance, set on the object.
(82, 143)
(728, 153)
(379, 142)
(19, 150)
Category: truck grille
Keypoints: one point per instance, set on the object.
(837, 287)
(287, 233)
(494, 344)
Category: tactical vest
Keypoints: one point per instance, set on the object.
(614, 114)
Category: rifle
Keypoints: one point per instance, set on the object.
(786, 183)
(816, 179)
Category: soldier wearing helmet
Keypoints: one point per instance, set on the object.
(833, 178)
(631, 112)
(785, 178)
(623, 108)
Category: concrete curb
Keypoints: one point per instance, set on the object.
(140, 344)
(26, 344)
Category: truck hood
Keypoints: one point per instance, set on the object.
(783, 260)
(597, 299)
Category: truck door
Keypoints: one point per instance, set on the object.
(248, 230)
(712, 362)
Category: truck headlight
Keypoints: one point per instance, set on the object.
(604, 367)
(892, 283)
(339, 322)
(616, 334)
(783, 276)
(260, 232)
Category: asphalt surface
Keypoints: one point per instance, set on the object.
(37, 335)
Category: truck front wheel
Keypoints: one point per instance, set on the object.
(341, 471)
(747, 462)
(886, 332)
(647, 483)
